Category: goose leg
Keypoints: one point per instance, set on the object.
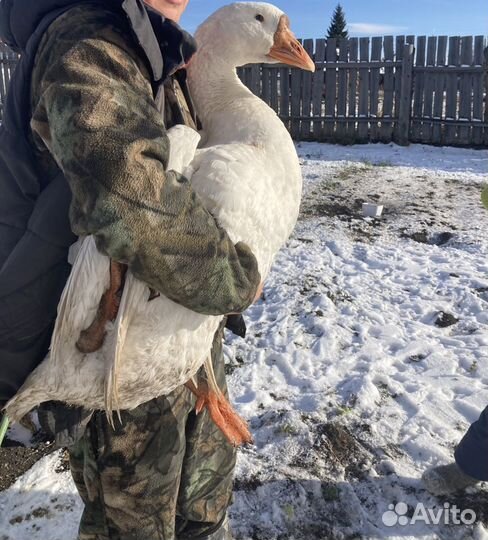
(91, 339)
(222, 413)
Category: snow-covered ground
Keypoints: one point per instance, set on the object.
(350, 377)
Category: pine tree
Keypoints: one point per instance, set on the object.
(337, 28)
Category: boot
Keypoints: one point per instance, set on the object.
(446, 479)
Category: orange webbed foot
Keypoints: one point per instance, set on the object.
(92, 338)
(234, 428)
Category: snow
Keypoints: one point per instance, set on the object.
(42, 504)
(350, 386)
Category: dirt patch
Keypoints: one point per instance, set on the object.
(39, 512)
(63, 464)
(424, 237)
(476, 501)
(247, 484)
(16, 460)
(434, 215)
(336, 446)
(332, 209)
(335, 453)
(482, 292)
(444, 320)
(234, 363)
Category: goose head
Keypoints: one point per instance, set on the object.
(252, 33)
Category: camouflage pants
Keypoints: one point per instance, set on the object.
(164, 473)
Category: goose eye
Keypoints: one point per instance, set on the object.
(259, 18)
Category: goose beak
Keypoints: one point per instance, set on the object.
(287, 49)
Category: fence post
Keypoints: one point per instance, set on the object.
(405, 109)
(485, 67)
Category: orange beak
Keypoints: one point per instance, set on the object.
(287, 49)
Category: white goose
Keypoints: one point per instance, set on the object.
(247, 173)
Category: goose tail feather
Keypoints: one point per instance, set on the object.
(211, 379)
(26, 399)
(133, 294)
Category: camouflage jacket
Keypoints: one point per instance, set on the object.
(94, 115)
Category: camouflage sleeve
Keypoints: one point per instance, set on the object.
(96, 115)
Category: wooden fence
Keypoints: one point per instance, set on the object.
(430, 90)
(405, 89)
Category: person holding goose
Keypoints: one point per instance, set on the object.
(100, 74)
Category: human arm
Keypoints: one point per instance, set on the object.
(96, 115)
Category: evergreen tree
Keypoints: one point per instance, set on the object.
(337, 28)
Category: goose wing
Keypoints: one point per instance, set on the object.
(246, 190)
(88, 279)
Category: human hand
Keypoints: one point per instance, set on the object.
(259, 292)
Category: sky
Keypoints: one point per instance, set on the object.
(311, 18)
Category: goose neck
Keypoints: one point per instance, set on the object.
(214, 84)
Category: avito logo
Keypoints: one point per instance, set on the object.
(447, 515)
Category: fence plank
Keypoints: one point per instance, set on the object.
(478, 91)
(460, 70)
(357, 65)
(330, 89)
(405, 110)
(273, 101)
(243, 74)
(418, 91)
(265, 84)
(296, 102)
(452, 90)
(429, 86)
(440, 83)
(485, 65)
(363, 89)
(342, 91)
(466, 89)
(318, 89)
(256, 79)
(399, 46)
(353, 88)
(376, 48)
(388, 92)
(306, 94)
(285, 96)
